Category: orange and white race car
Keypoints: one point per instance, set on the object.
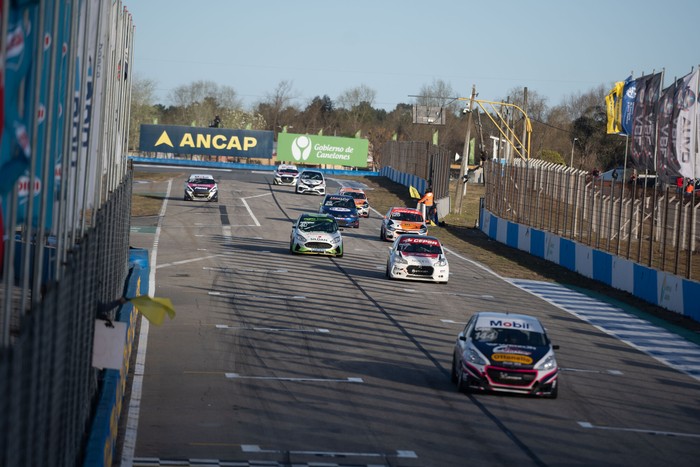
(399, 221)
(361, 202)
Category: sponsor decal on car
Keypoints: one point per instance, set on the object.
(513, 349)
(514, 358)
(509, 324)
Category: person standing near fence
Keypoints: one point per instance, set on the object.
(426, 203)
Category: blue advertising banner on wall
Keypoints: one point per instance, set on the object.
(206, 141)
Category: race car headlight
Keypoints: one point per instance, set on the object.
(424, 229)
(214, 189)
(547, 363)
(335, 240)
(189, 189)
(300, 238)
(442, 262)
(365, 204)
(473, 356)
(400, 260)
(391, 226)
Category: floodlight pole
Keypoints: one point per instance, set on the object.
(459, 191)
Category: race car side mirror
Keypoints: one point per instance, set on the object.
(462, 337)
(555, 347)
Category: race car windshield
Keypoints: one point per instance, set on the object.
(288, 171)
(407, 216)
(311, 176)
(318, 226)
(509, 336)
(340, 203)
(355, 194)
(202, 181)
(420, 248)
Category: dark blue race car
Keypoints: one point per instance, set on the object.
(342, 207)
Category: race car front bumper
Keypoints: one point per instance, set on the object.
(517, 381)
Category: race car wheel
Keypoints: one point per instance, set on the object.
(453, 373)
(553, 393)
(462, 383)
(381, 234)
(291, 248)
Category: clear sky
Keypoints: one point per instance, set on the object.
(557, 48)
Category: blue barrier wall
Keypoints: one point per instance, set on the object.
(105, 426)
(659, 288)
(404, 179)
(177, 162)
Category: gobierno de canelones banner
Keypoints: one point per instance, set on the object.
(318, 150)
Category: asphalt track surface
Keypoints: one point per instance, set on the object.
(280, 359)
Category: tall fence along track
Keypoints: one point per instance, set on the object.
(656, 226)
(48, 386)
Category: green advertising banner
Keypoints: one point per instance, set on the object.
(317, 150)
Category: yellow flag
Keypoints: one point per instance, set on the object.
(358, 134)
(435, 137)
(395, 137)
(413, 192)
(613, 107)
(154, 308)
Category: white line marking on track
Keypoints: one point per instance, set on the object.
(253, 328)
(449, 321)
(282, 297)
(295, 380)
(639, 430)
(579, 370)
(185, 261)
(134, 403)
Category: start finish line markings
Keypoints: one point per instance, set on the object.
(256, 448)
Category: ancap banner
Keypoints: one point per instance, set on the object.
(206, 141)
(317, 150)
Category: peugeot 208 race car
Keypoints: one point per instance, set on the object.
(341, 207)
(201, 186)
(417, 257)
(316, 234)
(399, 221)
(505, 352)
(286, 174)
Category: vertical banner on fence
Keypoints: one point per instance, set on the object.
(629, 94)
(686, 126)
(666, 166)
(15, 148)
(644, 121)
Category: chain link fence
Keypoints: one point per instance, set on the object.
(650, 224)
(48, 387)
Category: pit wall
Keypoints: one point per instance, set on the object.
(659, 288)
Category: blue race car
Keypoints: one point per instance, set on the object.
(343, 208)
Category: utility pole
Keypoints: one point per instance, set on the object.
(459, 191)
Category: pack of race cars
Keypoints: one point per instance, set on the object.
(495, 352)
(413, 254)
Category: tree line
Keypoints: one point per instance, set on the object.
(571, 131)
